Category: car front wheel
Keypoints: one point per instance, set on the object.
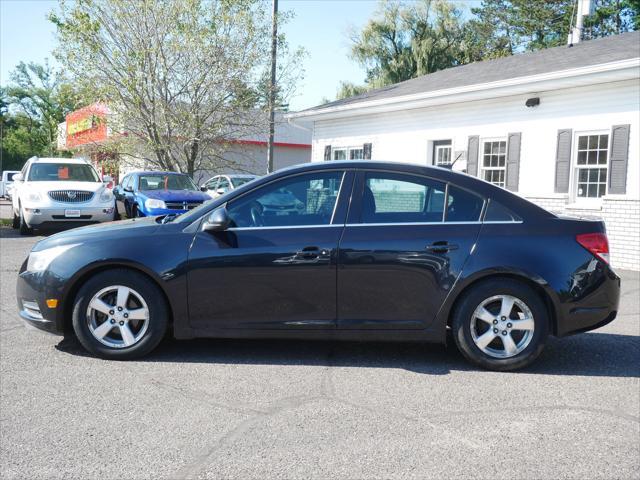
(120, 314)
(22, 224)
(500, 325)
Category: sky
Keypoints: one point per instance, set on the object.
(320, 26)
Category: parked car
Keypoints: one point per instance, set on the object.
(56, 191)
(381, 251)
(221, 184)
(146, 194)
(8, 192)
(6, 181)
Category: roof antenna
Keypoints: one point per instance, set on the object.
(450, 166)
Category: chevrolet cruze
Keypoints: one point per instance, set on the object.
(379, 251)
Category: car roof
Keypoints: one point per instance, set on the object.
(511, 200)
(156, 173)
(78, 161)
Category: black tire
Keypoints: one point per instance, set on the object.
(116, 214)
(22, 224)
(152, 295)
(135, 213)
(463, 319)
(15, 224)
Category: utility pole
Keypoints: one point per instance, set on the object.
(583, 8)
(272, 86)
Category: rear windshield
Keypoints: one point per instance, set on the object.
(166, 182)
(55, 172)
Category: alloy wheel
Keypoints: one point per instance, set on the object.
(502, 326)
(118, 316)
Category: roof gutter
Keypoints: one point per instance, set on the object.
(575, 77)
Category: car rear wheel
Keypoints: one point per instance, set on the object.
(15, 224)
(119, 314)
(500, 325)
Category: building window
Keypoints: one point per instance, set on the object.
(442, 153)
(494, 161)
(347, 153)
(591, 165)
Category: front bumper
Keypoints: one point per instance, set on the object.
(38, 217)
(32, 292)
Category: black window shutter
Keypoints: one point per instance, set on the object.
(618, 159)
(366, 151)
(513, 161)
(327, 152)
(472, 155)
(563, 160)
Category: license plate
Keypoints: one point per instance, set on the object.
(72, 213)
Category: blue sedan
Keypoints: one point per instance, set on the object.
(147, 194)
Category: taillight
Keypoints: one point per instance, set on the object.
(596, 243)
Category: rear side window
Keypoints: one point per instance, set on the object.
(496, 212)
(463, 206)
(397, 198)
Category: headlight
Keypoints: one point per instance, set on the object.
(39, 261)
(34, 197)
(106, 195)
(153, 203)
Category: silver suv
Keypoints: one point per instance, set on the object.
(50, 191)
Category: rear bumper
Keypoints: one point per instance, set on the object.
(31, 294)
(593, 300)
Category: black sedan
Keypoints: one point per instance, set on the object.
(376, 251)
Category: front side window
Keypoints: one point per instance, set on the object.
(307, 199)
(211, 184)
(397, 198)
(56, 172)
(223, 185)
(494, 162)
(591, 165)
(165, 182)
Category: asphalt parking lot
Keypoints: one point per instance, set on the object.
(277, 409)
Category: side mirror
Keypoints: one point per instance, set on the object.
(203, 188)
(217, 221)
(128, 189)
(18, 177)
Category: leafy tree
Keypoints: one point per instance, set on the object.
(612, 17)
(406, 40)
(348, 89)
(44, 97)
(181, 77)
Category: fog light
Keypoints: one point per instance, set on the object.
(52, 302)
(35, 211)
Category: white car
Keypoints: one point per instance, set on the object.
(221, 184)
(51, 191)
(6, 182)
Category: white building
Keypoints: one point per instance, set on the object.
(558, 126)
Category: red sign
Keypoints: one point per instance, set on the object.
(87, 125)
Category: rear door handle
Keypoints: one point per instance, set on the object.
(441, 247)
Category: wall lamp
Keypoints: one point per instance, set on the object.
(532, 102)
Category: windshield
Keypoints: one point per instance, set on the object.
(166, 182)
(237, 181)
(65, 172)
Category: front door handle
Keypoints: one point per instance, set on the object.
(441, 247)
(309, 253)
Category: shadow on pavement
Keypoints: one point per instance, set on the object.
(588, 354)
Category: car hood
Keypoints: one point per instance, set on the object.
(49, 186)
(103, 231)
(175, 195)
